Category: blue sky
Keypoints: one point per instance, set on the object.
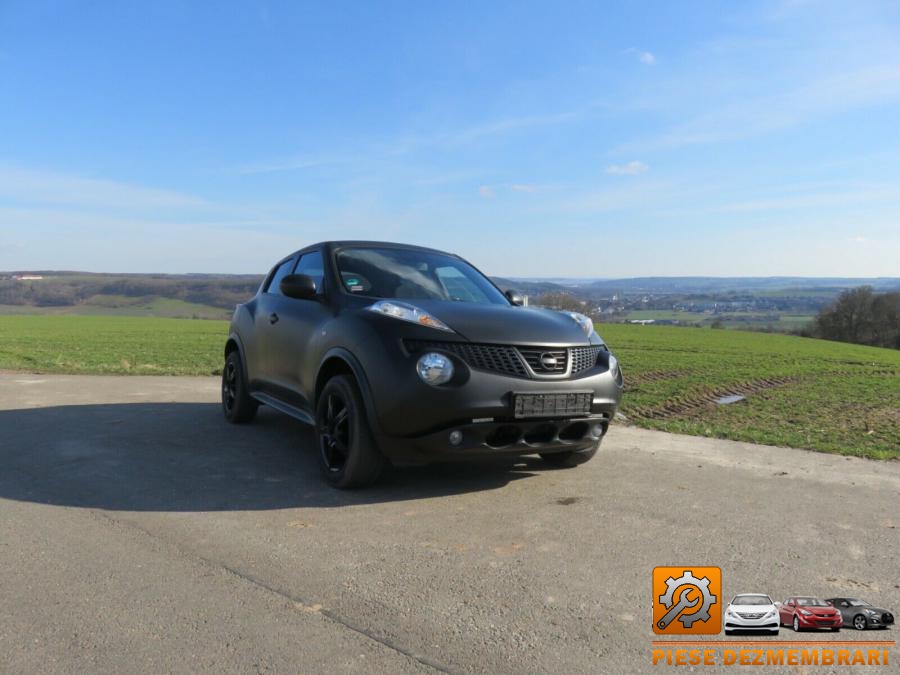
(535, 139)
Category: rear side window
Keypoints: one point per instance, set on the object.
(274, 286)
(311, 265)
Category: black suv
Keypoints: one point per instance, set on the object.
(411, 355)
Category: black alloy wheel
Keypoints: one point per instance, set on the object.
(348, 453)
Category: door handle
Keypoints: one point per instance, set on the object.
(273, 318)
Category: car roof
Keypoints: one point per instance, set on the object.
(361, 243)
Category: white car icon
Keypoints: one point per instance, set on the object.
(751, 611)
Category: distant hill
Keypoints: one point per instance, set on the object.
(213, 296)
(715, 284)
(206, 296)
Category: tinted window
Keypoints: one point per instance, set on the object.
(280, 273)
(311, 265)
(407, 274)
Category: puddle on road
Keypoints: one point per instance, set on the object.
(733, 398)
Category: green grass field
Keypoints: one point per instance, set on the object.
(774, 320)
(800, 392)
(121, 305)
(112, 344)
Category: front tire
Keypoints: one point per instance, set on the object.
(348, 454)
(237, 404)
(569, 458)
(859, 622)
(796, 624)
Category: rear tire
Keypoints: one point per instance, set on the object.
(569, 458)
(348, 454)
(237, 404)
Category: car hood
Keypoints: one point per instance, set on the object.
(874, 609)
(506, 324)
(753, 609)
(820, 611)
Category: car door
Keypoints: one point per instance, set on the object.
(266, 318)
(786, 611)
(296, 323)
(843, 606)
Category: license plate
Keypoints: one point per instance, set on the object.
(572, 404)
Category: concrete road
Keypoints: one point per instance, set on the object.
(139, 532)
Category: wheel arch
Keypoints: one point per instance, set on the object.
(340, 361)
(234, 344)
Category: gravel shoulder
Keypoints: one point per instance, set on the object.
(140, 532)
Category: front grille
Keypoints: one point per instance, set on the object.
(584, 358)
(510, 360)
(545, 360)
(494, 358)
(749, 616)
(887, 617)
(826, 622)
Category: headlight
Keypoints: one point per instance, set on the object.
(407, 312)
(728, 613)
(614, 366)
(434, 368)
(871, 611)
(586, 324)
(770, 614)
(805, 613)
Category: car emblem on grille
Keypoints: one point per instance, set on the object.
(548, 361)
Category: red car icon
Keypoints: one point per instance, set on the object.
(806, 612)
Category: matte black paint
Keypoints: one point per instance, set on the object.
(288, 346)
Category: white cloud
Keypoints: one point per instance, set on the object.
(27, 185)
(290, 164)
(486, 191)
(645, 57)
(632, 168)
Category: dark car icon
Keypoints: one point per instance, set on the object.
(860, 614)
(409, 355)
(802, 612)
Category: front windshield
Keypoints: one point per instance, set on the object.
(859, 603)
(409, 274)
(752, 600)
(811, 602)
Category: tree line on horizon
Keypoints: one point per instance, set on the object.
(861, 316)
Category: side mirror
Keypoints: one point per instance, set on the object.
(515, 297)
(298, 286)
(778, 604)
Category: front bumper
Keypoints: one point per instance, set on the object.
(735, 621)
(414, 421)
(820, 622)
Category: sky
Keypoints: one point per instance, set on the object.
(533, 138)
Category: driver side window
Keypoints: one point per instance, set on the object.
(274, 285)
(311, 265)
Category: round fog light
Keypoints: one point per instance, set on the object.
(434, 368)
(455, 437)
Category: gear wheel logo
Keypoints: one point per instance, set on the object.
(686, 600)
